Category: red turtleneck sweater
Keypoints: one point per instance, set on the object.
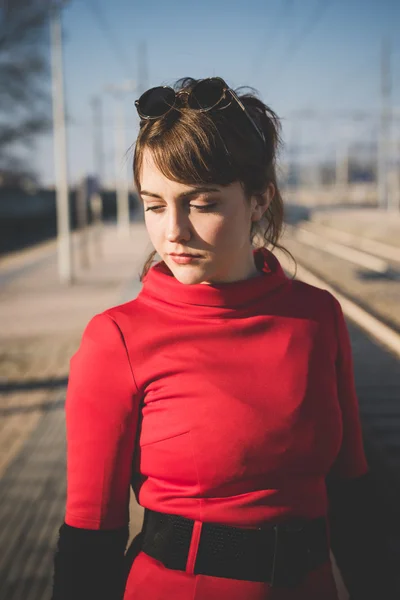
(240, 396)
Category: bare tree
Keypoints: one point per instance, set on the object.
(24, 79)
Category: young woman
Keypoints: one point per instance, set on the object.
(223, 393)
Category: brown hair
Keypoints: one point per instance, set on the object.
(220, 147)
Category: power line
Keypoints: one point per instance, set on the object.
(113, 41)
(308, 28)
(351, 75)
(281, 17)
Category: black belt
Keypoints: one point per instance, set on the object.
(280, 555)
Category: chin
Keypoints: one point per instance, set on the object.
(187, 274)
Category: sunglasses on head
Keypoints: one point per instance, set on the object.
(205, 95)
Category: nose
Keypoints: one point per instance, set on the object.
(178, 228)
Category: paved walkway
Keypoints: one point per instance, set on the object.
(41, 325)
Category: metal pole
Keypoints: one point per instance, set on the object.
(82, 222)
(95, 197)
(394, 180)
(342, 171)
(60, 150)
(385, 126)
(98, 150)
(295, 150)
(345, 134)
(121, 182)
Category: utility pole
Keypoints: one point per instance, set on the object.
(295, 155)
(345, 133)
(94, 195)
(122, 187)
(342, 170)
(60, 147)
(98, 146)
(121, 180)
(385, 125)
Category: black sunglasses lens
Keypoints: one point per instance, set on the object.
(206, 94)
(156, 102)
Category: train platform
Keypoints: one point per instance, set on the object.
(41, 324)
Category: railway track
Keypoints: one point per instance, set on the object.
(371, 305)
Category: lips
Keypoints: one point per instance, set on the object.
(174, 254)
(185, 259)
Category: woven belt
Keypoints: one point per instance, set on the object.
(280, 555)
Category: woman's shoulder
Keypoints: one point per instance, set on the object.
(311, 291)
(314, 299)
(111, 322)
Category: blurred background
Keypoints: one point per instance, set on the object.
(72, 238)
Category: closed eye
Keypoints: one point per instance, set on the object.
(204, 207)
(201, 208)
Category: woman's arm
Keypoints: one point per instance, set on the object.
(357, 526)
(102, 407)
(359, 539)
(89, 564)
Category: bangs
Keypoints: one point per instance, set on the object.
(189, 149)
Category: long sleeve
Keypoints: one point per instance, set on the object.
(102, 407)
(351, 461)
(356, 522)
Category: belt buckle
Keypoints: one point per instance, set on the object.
(289, 565)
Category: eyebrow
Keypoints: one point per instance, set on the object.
(189, 193)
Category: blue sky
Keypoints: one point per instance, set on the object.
(299, 54)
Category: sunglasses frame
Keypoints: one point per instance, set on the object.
(224, 90)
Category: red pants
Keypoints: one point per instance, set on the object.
(150, 580)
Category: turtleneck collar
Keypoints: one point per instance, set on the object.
(161, 288)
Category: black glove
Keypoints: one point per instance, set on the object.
(361, 530)
(89, 564)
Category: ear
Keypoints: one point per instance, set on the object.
(261, 202)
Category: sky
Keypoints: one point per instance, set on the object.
(320, 56)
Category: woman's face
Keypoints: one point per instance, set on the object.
(212, 222)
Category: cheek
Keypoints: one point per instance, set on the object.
(154, 230)
(229, 229)
(213, 229)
